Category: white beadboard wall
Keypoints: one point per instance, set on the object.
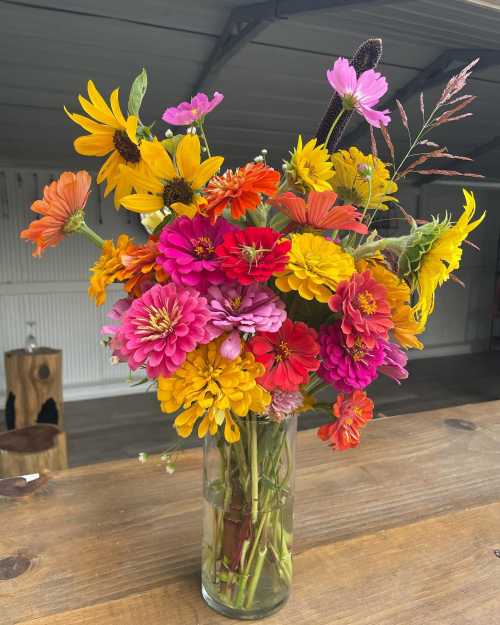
(52, 290)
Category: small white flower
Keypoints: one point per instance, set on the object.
(263, 151)
(142, 457)
(169, 134)
(259, 159)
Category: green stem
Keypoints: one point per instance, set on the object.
(254, 468)
(90, 234)
(332, 127)
(256, 576)
(204, 137)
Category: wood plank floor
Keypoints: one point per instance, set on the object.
(120, 427)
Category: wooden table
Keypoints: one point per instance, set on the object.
(402, 531)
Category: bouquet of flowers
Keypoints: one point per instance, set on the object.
(256, 290)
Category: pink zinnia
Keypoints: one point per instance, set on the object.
(284, 404)
(162, 326)
(366, 313)
(249, 309)
(186, 113)
(394, 363)
(347, 369)
(360, 93)
(187, 251)
(110, 332)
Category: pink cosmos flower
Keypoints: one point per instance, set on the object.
(187, 251)
(162, 326)
(348, 368)
(186, 113)
(110, 332)
(366, 313)
(394, 363)
(360, 93)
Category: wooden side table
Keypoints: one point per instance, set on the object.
(34, 387)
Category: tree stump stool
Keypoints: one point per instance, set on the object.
(32, 449)
(34, 387)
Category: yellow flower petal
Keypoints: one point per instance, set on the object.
(180, 208)
(88, 124)
(206, 170)
(131, 129)
(98, 114)
(94, 145)
(117, 111)
(157, 159)
(142, 183)
(187, 156)
(141, 203)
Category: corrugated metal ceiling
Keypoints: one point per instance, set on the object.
(275, 86)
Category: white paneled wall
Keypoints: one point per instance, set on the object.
(52, 290)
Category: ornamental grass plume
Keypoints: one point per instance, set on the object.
(161, 327)
(62, 209)
(213, 390)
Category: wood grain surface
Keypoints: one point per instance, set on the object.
(402, 531)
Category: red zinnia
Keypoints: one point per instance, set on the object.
(253, 254)
(239, 190)
(288, 355)
(366, 313)
(352, 412)
(320, 212)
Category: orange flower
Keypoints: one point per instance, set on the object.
(240, 190)
(108, 268)
(62, 209)
(140, 267)
(351, 412)
(320, 212)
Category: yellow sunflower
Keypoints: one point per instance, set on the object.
(108, 267)
(351, 179)
(309, 167)
(443, 258)
(109, 131)
(398, 296)
(212, 388)
(177, 186)
(315, 267)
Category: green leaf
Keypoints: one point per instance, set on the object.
(137, 93)
(171, 143)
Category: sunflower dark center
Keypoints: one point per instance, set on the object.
(125, 147)
(177, 190)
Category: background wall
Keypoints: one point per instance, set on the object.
(52, 292)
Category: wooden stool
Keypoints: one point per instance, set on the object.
(32, 449)
(34, 387)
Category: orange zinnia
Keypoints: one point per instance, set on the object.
(240, 190)
(320, 212)
(108, 267)
(140, 267)
(62, 209)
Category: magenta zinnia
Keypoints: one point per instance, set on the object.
(187, 251)
(161, 327)
(348, 368)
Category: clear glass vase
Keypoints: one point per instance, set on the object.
(248, 518)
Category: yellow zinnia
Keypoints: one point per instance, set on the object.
(177, 186)
(443, 258)
(309, 167)
(108, 267)
(212, 388)
(351, 179)
(398, 296)
(109, 131)
(315, 267)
